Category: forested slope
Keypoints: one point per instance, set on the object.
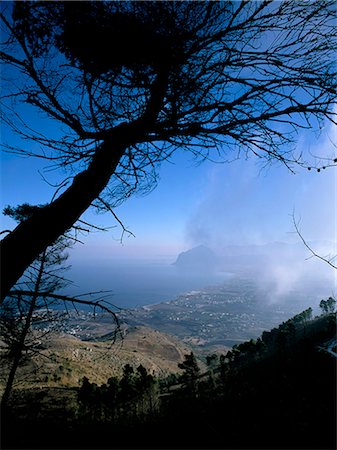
(276, 392)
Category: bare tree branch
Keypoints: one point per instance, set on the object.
(327, 260)
(108, 208)
(219, 79)
(72, 300)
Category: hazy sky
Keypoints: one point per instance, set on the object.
(212, 204)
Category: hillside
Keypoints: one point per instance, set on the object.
(278, 391)
(64, 359)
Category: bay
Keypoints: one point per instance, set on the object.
(138, 283)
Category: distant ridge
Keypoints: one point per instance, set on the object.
(197, 258)
(203, 257)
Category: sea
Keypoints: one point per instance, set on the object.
(137, 283)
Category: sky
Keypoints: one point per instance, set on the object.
(209, 203)
(216, 205)
(212, 204)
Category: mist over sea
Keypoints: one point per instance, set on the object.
(280, 273)
(140, 282)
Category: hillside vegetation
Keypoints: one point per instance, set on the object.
(274, 392)
(63, 360)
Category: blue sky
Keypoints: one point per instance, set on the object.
(207, 203)
(216, 205)
(212, 204)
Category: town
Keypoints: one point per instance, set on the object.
(212, 317)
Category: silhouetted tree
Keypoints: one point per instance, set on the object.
(132, 82)
(128, 390)
(307, 315)
(85, 391)
(90, 398)
(17, 318)
(212, 360)
(191, 372)
(112, 390)
(331, 304)
(147, 391)
(164, 384)
(328, 306)
(133, 396)
(223, 366)
(26, 316)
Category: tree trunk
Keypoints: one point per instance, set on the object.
(22, 338)
(30, 238)
(22, 246)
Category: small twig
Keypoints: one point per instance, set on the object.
(316, 255)
(124, 229)
(95, 227)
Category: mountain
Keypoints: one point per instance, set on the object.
(197, 258)
(278, 266)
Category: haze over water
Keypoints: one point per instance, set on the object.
(281, 273)
(137, 283)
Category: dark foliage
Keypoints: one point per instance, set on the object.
(130, 399)
(259, 396)
(328, 306)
